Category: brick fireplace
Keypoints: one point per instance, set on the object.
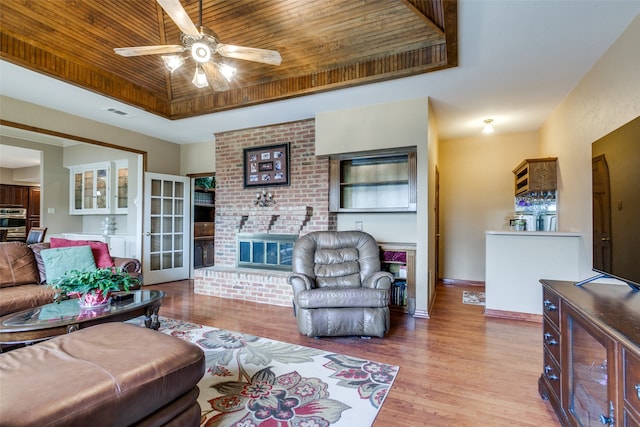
(301, 207)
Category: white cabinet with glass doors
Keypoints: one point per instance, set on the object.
(93, 187)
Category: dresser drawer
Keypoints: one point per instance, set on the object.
(551, 372)
(551, 306)
(551, 339)
(631, 364)
(630, 420)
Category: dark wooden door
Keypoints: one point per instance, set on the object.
(601, 214)
(436, 212)
(33, 212)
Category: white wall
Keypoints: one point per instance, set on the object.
(374, 127)
(29, 176)
(81, 154)
(383, 126)
(377, 224)
(162, 156)
(428, 228)
(54, 194)
(198, 158)
(475, 173)
(605, 99)
(476, 195)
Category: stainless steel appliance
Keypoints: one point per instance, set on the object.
(14, 220)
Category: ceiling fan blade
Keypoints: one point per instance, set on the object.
(215, 77)
(177, 13)
(148, 50)
(265, 56)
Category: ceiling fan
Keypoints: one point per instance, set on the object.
(203, 46)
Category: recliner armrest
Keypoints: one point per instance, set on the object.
(300, 282)
(379, 280)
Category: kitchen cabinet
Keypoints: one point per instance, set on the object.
(536, 175)
(591, 347)
(14, 195)
(96, 189)
(399, 259)
(382, 181)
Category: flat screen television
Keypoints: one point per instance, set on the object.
(616, 205)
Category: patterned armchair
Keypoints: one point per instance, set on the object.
(338, 288)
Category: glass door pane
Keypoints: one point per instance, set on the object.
(588, 392)
(88, 190)
(102, 183)
(122, 186)
(166, 227)
(77, 191)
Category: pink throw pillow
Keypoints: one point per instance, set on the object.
(100, 249)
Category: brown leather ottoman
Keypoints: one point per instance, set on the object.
(113, 374)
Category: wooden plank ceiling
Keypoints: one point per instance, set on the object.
(325, 44)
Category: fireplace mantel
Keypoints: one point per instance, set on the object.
(272, 219)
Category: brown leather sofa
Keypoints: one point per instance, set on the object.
(112, 374)
(23, 277)
(338, 288)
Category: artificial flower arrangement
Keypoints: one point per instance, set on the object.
(93, 287)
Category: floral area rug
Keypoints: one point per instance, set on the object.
(257, 382)
(473, 297)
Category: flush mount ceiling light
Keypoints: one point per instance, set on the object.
(204, 47)
(488, 126)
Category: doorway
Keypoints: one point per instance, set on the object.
(436, 212)
(166, 250)
(204, 197)
(601, 214)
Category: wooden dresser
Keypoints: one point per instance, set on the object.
(591, 368)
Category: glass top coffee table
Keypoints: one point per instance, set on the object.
(50, 320)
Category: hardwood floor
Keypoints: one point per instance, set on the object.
(457, 368)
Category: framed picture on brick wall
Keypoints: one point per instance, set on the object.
(266, 166)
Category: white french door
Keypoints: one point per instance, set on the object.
(166, 249)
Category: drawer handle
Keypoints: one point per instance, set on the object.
(549, 340)
(606, 420)
(549, 306)
(638, 390)
(548, 372)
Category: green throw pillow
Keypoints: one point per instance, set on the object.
(58, 261)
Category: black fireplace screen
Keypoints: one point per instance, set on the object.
(266, 251)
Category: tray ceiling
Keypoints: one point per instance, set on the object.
(325, 45)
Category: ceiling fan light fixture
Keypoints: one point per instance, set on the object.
(227, 71)
(488, 126)
(172, 62)
(200, 52)
(200, 78)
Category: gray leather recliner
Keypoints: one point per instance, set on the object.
(338, 288)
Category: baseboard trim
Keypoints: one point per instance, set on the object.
(422, 314)
(461, 282)
(513, 315)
